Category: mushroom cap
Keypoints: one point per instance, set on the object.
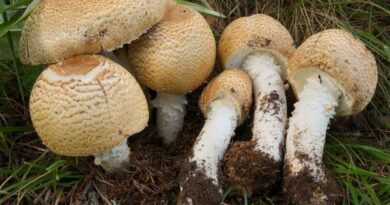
(177, 55)
(234, 85)
(57, 30)
(86, 105)
(255, 33)
(337, 54)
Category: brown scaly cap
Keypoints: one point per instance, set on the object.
(233, 84)
(342, 57)
(86, 105)
(252, 34)
(57, 30)
(177, 55)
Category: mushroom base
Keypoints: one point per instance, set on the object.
(254, 170)
(301, 188)
(196, 187)
(114, 160)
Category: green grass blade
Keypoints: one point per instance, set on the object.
(15, 5)
(16, 129)
(201, 9)
(6, 26)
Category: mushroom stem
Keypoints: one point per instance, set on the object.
(170, 115)
(263, 154)
(306, 138)
(114, 160)
(199, 175)
(270, 116)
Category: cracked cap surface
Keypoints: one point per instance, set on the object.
(86, 105)
(342, 57)
(57, 30)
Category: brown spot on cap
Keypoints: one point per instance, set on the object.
(78, 65)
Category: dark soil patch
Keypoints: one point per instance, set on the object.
(253, 170)
(270, 103)
(197, 186)
(152, 176)
(302, 189)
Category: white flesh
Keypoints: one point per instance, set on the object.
(115, 159)
(270, 118)
(214, 138)
(308, 125)
(170, 115)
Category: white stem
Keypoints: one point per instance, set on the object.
(308, 124)
(271, 110)
(115, 159)
(170, 115)
(214, 138)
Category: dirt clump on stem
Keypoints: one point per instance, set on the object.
(198, 187)
(304, 189)
(251, 169)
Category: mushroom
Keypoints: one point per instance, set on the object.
(225, 103)
(259, 45)
(57, 30)
(88, 105)
(174, 58)
(331, 73)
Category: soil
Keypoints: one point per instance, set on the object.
(197, 186)
(302, 189)
(151, 177)
(270, 103)
(249, 168)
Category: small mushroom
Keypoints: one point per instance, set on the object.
(174, 58)
(332, 73)
(225, 103)
(259, 45)
(88, 105)
(57, 30)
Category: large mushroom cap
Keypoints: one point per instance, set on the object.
(57, 30)
(233, 84)
(253, 34)
(86, 105)
(338, 54)
(176, 55)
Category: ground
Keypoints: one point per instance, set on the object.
(357, 151)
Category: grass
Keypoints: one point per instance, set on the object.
(358, 154)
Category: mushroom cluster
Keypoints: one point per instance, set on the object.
(174, 57)
(86, 103)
